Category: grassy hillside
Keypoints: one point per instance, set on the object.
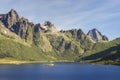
(104, 53)
(11, 49)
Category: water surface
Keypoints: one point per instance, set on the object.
(60, 71)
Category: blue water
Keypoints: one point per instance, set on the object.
(60, 71)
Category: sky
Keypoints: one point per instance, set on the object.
(70, 14)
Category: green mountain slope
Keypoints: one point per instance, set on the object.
(103, 52)
(12, 49)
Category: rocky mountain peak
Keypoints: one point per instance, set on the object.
(12, 11)
(96, 35)
(10, 18)
(48, 23)
(13, 14)
(49, 27)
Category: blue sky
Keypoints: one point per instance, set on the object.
(68, 14)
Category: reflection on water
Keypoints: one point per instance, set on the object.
(59, 71)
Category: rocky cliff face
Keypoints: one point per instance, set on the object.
(49, 27)
(96, 35)
(79, 36)
(21, 26)
(10, 18)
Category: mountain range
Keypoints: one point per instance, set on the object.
(23, 40)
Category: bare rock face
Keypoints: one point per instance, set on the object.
(37, 28)
(23, 28)
(48, 23)
(105, 38)
(77, 34)
(10, 18)
(20, 26)
(48, 27)
(96, 35)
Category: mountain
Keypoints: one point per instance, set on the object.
(96, 35)
(24, 40)
(36, 39)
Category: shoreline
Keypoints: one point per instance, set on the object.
(18, 62)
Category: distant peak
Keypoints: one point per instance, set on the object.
(13, 12)
(96, 35)
(94, 29)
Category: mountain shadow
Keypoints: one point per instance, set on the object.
(108, 54)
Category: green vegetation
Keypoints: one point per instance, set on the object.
(11, 49)
(103, 53)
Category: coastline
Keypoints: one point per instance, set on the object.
(18, 62)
